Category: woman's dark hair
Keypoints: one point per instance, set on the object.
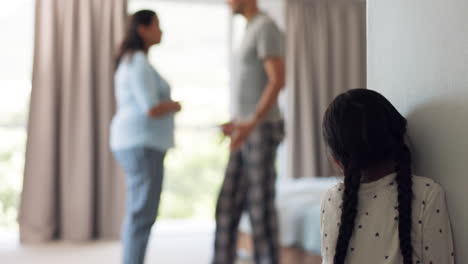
(363, 129)
(133, 41)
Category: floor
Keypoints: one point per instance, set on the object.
(171, 243)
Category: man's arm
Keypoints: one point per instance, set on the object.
(274, 68)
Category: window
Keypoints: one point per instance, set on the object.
(194, 58)
(16, 55)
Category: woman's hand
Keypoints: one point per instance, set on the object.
(165, 108)
(177, 107)
(227, 128)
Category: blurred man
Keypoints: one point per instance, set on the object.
(256, 130)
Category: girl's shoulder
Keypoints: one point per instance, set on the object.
(426, 189)
(422, 187)
(425, 183)
(334, 192)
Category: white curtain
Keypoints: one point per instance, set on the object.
(326, 55)
(73, 189)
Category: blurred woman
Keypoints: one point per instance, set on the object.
(141, 131)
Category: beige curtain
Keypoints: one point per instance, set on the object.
(73, 189)
(326, 55)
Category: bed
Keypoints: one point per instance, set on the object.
(298, 205)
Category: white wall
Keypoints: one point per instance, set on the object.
(418, 58)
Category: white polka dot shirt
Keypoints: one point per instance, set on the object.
(375, 237)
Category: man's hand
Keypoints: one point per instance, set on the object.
(241, 132)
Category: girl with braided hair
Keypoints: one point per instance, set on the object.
(381, 213)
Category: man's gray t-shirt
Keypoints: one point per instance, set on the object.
(262, 40)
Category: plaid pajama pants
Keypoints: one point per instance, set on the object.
(249, 184)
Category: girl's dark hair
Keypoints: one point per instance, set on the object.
(133, 41)
(362, 130)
